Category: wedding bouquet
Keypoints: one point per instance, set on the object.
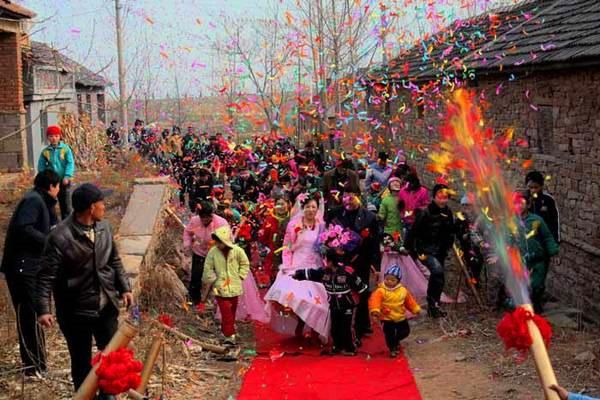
(338, 237)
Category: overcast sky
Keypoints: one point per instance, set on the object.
(176, 33)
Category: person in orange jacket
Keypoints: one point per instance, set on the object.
(388, 304)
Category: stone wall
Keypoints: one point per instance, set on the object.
(558, 114)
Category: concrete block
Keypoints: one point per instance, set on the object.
(132, 264)
(143, 210)
(134, 245)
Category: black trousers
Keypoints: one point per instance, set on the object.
(195, 287)
(435, 286)
(64, 200)
(31, 335)
(342, 330)
(362, 323)
(394, 332)
(79, 330)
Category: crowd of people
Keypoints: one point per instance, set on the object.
(317, 243)
(280, 203)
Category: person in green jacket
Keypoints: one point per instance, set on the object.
(389, 213)
(58, 157)
(225, 267)
(537, 246)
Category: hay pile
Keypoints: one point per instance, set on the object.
(159, 288)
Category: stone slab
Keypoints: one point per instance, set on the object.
(143, 210)
(132, 264)
(134, 245)
(561, 321)
(155, 180)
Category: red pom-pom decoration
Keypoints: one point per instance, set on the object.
(117, 371)
(166, 319)
(513, 330)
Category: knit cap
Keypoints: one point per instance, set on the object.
(54, 130)
(394, 270)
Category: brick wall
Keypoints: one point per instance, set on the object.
(12, 118)
(564, 137)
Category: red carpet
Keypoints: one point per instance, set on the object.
(302, 374)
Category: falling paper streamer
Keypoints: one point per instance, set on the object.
(468, 146)
(197, 64)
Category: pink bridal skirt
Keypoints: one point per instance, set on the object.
(250, 305)
(306, 299)
(415, 276)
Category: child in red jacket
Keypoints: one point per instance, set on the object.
(271, 236)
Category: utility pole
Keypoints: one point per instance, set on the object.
(387, 79)
(299, 94)
(121, 60)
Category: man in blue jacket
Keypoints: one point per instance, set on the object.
(58, 157)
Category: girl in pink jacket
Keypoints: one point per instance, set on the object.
(411, 198)
(197, 239)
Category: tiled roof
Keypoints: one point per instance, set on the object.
(8, 9)
(530, 32)
(42, 54)
(561, 31)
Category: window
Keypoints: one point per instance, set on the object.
(88, 105)
(43, 124)
(545, 130)
(79, 103)
(101, 107)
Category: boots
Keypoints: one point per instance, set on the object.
(434, 311)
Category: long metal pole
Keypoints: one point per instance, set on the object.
(121, 62)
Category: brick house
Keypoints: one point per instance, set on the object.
(537, 65)
(55, 84)
(13, 27)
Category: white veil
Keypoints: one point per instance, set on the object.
(297, 211)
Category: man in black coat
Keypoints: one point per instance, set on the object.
(429, 239)
(245, 186)
(367, 256)
(82, 267)
(28, 229)
(542, 204)
(201, 189)
(342, 179)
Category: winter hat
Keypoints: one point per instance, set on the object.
(437, 188)
(223, 234)
(54, 130)
(87, 194)
(394, 179)
(467, 199)
(394, 270)
(535, 177)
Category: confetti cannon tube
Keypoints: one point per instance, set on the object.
(121, 338)
(541, 358)
(151, 357)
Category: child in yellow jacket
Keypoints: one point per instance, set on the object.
(388, 303)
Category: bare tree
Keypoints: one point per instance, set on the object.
(264, 52)
(340, 39)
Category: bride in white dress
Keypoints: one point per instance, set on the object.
(306, 300)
